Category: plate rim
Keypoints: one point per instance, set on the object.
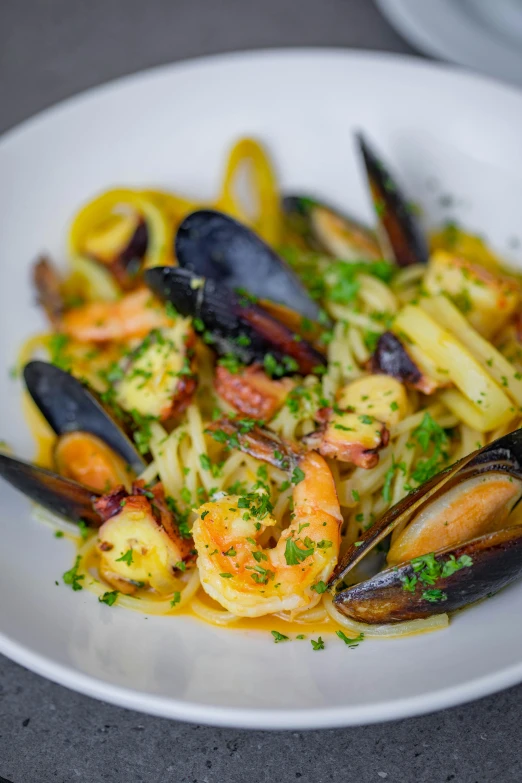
(226, 716)
(311, 718)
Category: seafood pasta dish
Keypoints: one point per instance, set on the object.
(266, 414)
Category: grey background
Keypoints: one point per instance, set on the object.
(49, 51)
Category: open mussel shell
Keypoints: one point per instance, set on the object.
(61, 496)
(495, 561)
(323, 229)
(399, 230)
(233, 324)
(219, 248)
(69, 406)
(503, 456)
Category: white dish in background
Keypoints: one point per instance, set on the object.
(171, 127)
(485, 35)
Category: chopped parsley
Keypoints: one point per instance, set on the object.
(279, 637)
(297, 476)
(434, 596)
(126, 557)
(317, 645)
(430, 434)
(427, 570)
(294, 554)
(319, 587)
(71, 576)
(350, 642)
(176, 598)
(108, 598)
(84, 529)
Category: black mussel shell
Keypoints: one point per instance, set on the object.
(220, 248)
(503, 455)
(69, 406)
(323, 229)
(495, 560)
(233, 323)
(61, 496)
(399, 225)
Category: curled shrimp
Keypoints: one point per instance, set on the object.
(134, 315)
(246, 578)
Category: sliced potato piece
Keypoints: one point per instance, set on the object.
(491, 360)
(140, 544)
(159, 378)
(380, 396)
(487, 298)
(490, 405)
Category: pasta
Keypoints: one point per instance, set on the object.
(461, 389)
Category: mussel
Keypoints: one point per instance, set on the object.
(217, 247)
(233, 323)
(69, 407)
(392, 358)
(321, 228)
(399, 230)
(92, 453)
(453, 541)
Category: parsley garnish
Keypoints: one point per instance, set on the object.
(176, 598)
(319, 587)
(279, 637)
(108, 598)
(297, 476)
(294, 554)
(317, 645)
(350, 642)
(71, 576)
(126, 557)
(434, 596)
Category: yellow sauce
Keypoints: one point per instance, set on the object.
(45, 439)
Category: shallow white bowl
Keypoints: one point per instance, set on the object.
(447, 133)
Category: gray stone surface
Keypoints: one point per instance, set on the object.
(48, 51)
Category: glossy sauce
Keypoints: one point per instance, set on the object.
(45, 438)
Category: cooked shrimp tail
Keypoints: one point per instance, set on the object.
(253, 439)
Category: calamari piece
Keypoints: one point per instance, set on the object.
(251, 392)
(139, 542)
(357, 427)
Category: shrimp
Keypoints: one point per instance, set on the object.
(134, 315)
(248, 579)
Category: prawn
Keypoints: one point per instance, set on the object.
(236, 571)
(134, 315)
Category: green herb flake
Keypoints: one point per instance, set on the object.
(350, 642)
(126, 557)
(71, 576)
(108, 598)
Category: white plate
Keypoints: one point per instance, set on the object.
(171, 127)
(485, 35)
